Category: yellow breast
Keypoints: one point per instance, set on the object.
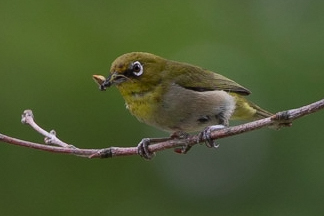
(142, 101)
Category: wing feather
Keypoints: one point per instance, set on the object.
(199, 79)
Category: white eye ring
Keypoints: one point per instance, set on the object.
(137, 68)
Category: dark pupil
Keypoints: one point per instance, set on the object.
(136, 68)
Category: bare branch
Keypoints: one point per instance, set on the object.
(50, 137)
(55, 145)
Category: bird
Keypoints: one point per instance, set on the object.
(178, 97)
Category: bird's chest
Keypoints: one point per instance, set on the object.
(144, 104)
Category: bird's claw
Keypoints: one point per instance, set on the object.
(143, 151)
(206, 135)
(183, 149)
(181, 135)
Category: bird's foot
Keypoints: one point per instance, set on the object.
(143, 151)
(181, 135)
(143, 146)
(206, 135)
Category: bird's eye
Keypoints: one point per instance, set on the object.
(137, 68)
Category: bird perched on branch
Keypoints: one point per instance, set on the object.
(178, 97)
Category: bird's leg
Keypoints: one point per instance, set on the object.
(181, 135)
(143, 151)
(142, 147)
(207, 137)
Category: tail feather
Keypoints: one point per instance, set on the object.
(246, 110)
(260, 113)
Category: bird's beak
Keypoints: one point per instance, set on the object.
(113, 78)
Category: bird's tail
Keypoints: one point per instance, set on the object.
(246, 110)
(260, 113)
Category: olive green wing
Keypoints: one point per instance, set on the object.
(198, 79)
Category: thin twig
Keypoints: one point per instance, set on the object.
(55, 145)
(50, 137)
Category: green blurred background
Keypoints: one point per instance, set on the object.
(49, 51)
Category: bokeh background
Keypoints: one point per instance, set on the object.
(49, 51)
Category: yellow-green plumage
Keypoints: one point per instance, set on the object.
(176, 96)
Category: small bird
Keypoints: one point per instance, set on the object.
(177, 97)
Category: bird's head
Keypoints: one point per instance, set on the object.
(133, 72)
